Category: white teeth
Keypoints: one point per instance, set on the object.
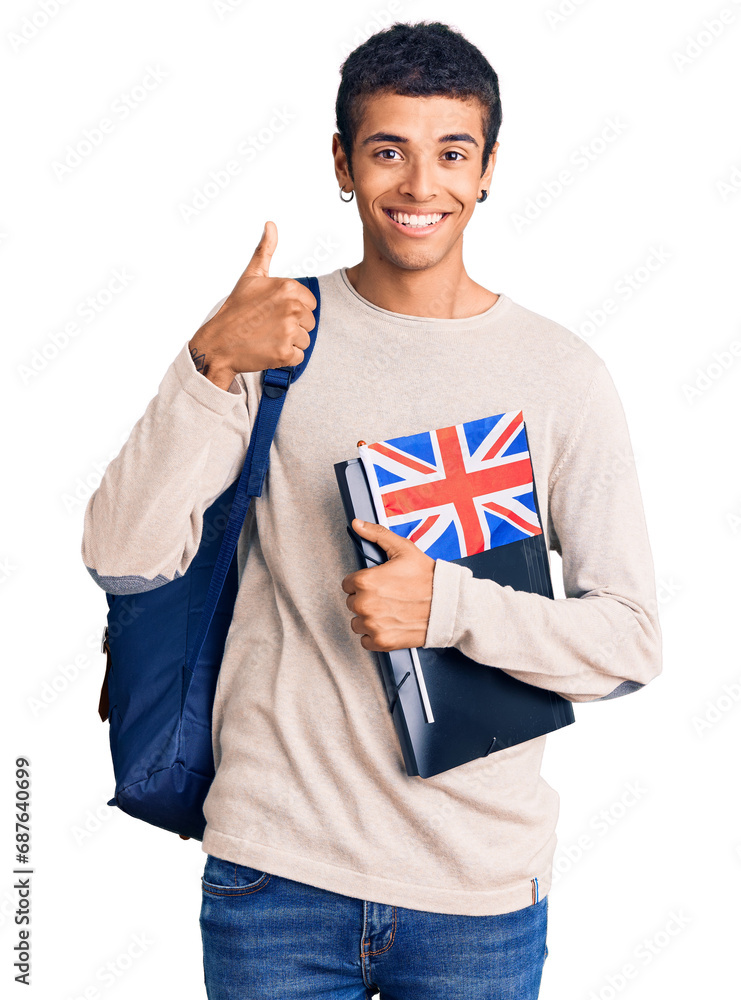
(416, 220)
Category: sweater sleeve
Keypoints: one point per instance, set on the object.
(602, 640)
(142, 525)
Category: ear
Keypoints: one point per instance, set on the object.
(341, 170)
(487, 175)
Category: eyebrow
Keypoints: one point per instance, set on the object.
(390, 137)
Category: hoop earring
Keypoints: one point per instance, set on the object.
(484, 196)
(346, 200)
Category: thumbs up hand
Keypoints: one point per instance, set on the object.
(264, 322)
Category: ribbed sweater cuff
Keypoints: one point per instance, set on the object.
(446, 588)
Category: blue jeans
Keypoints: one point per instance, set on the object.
(266, 936)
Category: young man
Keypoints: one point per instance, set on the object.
(329, 870)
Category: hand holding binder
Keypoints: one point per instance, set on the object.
(413, 587)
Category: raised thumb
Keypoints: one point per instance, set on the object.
(259, 265)
(379, 534)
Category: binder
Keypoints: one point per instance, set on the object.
(447, 708)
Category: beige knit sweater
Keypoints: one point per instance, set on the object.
(310, 781)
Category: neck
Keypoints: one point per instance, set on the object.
(442, 291)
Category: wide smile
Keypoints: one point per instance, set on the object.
(416, 230)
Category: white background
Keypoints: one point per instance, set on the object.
(669, 186)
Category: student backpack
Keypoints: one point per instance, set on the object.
(164, 647)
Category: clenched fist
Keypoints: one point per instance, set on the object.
(264, 322)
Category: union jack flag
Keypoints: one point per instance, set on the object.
(458, 490)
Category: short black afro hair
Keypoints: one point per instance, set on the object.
(425, 59)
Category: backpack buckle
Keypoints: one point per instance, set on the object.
(274, 383)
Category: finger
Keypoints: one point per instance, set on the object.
(301, 339)
(305, 296)
(259, 265)
(306, 319)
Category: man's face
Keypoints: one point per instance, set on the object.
(420, 156)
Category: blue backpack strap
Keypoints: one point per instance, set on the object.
(276, 382)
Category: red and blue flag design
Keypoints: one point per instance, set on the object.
(458, 490)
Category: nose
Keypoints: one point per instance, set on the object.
(418, 183)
